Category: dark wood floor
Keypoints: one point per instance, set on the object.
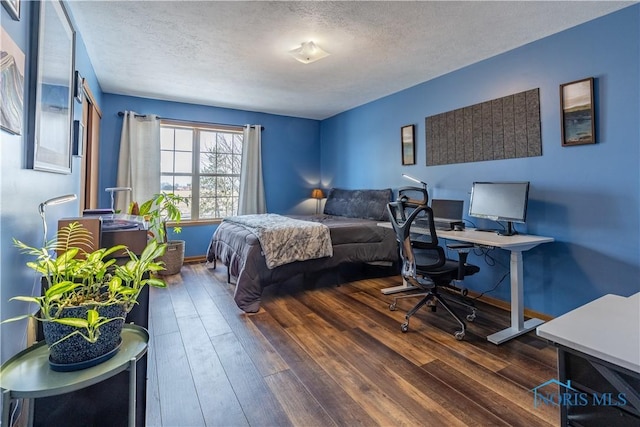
(332, 355)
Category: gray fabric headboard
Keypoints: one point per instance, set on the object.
(367, 204)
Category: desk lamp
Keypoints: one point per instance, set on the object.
(424, 184)
(55, 201)
(113, 190)
(317, 194)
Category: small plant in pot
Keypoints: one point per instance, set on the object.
(86, 295)
(158, 210)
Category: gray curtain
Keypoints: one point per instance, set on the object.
(252, 199)
(139, 159)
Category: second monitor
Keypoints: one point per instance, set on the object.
(447, 214)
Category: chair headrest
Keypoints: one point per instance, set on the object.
(413, 195)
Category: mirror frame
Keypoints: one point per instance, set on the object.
(50, 149)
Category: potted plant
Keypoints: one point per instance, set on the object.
(86, 295)
(158, 210)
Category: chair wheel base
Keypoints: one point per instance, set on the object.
(404, 327)
(459, 335)
(392, 306)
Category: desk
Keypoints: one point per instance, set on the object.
(516, 245)
(28, 375)
(599, 351)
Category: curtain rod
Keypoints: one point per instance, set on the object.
(121, 114)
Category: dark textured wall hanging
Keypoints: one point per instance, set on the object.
(504, 128)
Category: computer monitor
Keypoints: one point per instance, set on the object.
(500, 201)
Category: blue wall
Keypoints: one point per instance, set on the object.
(22, 190)
(290, 151)
(586, 197)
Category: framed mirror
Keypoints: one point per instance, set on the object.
(51, 87)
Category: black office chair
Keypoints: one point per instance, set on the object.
(424, 263)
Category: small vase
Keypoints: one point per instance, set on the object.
(76, 350)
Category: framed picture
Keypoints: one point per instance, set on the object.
(78, 138)
(78, 92)
(50, 124)
(13, 7)
(12, 88)
(408, 144)
(577, 113)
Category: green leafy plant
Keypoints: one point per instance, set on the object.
(73, 277)
(163, 207)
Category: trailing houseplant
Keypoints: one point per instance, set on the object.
(160, 209)
(86, 295)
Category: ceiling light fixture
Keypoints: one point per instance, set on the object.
(308, 52)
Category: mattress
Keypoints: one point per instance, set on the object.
(354, 240)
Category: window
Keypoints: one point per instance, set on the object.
(202, 163)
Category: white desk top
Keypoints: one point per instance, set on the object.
(518, 242)
(488, 238)
(607, 328)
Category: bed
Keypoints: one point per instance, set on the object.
(351, 217)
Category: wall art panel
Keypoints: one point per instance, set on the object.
(503, 128)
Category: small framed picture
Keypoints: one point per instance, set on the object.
(577, 113)
(13, 7)
(79, 89)
(78, 138)
(408, 144)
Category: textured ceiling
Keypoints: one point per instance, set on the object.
(234, 54)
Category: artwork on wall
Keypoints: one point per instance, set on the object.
(13, 7)
(577, 113)
(50, 124)
(408, 144)
(78, 138)
(504, 128)
(12, 88)
(78, 91)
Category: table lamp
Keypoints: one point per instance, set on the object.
(424, 184)
(42, 208)
(113, 190)
(317, 194)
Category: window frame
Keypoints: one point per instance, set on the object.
(197, 128)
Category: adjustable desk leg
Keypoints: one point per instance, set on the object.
(400, 288)
(518, 325)
(406, 286)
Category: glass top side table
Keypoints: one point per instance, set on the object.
(28, 375)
